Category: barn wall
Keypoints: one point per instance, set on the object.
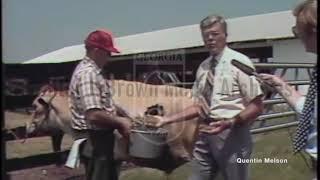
(282, 51)
(292, 51)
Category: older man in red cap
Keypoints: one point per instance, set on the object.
(93, 112)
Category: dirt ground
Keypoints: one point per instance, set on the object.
(15, 119)
(51, 172)
(272, 144)
(34, 146)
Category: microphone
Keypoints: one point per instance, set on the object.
(251, 72)
(244, 68)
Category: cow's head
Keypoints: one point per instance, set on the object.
(42, 105)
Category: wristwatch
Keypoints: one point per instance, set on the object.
(235, 121)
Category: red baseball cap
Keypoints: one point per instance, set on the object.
(101, 39)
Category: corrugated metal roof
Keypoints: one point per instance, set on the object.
(257, 27)
(66, 54)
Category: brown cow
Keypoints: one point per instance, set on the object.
(52, 114)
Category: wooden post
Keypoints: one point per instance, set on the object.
(4, 153)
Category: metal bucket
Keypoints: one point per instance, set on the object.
(147, 143)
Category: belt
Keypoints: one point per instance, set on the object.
(210, 120)
(84, 133)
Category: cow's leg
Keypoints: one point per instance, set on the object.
(176, 143)
(56, 144)
(178, 150)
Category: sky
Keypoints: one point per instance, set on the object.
(31, 28)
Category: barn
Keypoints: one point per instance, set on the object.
(266, 38)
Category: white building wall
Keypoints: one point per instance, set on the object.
(292, 51)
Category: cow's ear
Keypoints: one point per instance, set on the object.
(43, 102)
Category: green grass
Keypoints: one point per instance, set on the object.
(278, 144)
(272, 144)
(142, 173)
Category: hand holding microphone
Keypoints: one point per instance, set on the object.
(272, 80)
(268, 79)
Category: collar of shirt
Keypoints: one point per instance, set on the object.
(91, 62)
(219, 56)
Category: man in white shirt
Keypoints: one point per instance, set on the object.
(228, 107)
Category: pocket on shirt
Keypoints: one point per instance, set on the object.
(224, 85)
(106, 98)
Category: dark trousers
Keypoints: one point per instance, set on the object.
(314, 168)
(219, 153)
(100, 169)
(97, 155)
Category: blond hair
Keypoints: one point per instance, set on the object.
(307, 11)
(213, 19)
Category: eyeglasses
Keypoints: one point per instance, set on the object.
(211, 35)
(295, 31)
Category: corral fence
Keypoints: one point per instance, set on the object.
(272, 100)
(284, 118)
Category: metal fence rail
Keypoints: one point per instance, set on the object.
(17, 132)
(190, 84)
(284, 65)
(274, 101)
(274, 127)
(299, 82)
(50, 158)
(276, 115)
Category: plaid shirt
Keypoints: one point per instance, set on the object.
(88, 90)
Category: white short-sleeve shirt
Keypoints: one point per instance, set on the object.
(232, 88)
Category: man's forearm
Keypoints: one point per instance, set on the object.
(187, 114)
(250, 113)
(103, 119)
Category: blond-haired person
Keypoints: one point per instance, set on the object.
(306, 30)
(234, 101)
